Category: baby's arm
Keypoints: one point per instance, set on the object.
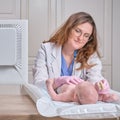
(50, 87)
(57, 97)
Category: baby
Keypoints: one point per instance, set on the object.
(73, 89)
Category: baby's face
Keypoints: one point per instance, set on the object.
(86, 93)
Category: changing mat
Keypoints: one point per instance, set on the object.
(71, 110)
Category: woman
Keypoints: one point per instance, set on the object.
(72, 50)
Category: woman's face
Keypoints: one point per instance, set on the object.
(79, 36)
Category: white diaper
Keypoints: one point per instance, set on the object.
(58, 90)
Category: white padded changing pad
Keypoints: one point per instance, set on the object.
(48, 108)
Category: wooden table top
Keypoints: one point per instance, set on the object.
(22, 107)
(17, 107)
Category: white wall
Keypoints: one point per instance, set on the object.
(116, 46)
(46, 15)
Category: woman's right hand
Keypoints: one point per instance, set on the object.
(67, 80)
(73, 80)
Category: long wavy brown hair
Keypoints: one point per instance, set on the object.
(61, 36)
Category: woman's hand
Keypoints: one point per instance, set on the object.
(73, 80)
(67, 80)
(102, 87)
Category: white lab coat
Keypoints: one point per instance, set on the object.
(48, 65)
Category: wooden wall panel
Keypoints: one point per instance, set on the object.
(9, 9)
(116, 46)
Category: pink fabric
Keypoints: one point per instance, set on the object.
(102, 87)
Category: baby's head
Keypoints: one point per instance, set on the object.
(86, 93)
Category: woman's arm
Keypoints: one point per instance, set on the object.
(40, 72)
(94, 74)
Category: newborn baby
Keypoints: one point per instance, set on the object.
(73, 89)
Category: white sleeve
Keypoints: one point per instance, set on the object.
(40, 72)
(94, 74)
